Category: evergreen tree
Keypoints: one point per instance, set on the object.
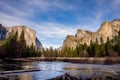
(55, 53)
(96, 50)
(32, 51)
(78, 49)
(22, 48)
(102, 50)
(117, 46)
(51, 52)
(90, 49)
(42, 52)
(109, 48)
(11, 46)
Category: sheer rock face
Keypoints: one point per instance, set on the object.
(29, 35)
(107, 30)
(2, 32)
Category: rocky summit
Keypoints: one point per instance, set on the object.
(108, 30)
(29, 35)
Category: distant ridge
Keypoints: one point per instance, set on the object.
(107, 30)
(29, 34)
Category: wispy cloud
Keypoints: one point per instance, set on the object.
(46, 31)
(27, 8)
(54, 19)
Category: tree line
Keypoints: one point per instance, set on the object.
(109, 49)
(15, 47)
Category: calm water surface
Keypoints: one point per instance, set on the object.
(50, 70)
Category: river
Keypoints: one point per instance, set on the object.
(48, 70)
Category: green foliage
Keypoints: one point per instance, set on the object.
(15, 47)
(117, 46)
(11, 46)
(102, 50)
(110, 48)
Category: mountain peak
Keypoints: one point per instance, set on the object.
(29, 35)
(107, 29)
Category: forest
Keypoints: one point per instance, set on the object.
(14, 47)
(109, 49)
(17, 48)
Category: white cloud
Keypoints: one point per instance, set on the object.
(29, 8)
(52, 29)
(45, 30)
(19, 15)
(49, 4)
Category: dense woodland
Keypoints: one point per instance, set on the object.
(109, 49)
(16, 48)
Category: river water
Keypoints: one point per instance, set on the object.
(48, 70)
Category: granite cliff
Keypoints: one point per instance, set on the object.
(108, 30)
(29, 35)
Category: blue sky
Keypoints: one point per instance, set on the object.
(54, 19)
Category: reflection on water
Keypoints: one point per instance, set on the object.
(50, 70)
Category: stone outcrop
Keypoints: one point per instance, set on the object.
(29, 35)
(2, 32)
(108, 30)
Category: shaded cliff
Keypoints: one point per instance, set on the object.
(108, 30)
(29, 35)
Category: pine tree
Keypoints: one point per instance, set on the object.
(22, 48)
(109, 48)
(102, 50)
(11, 46)
(55, 53)
(117, 46)
(96, 50)
(90, 49)
(51, 52)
